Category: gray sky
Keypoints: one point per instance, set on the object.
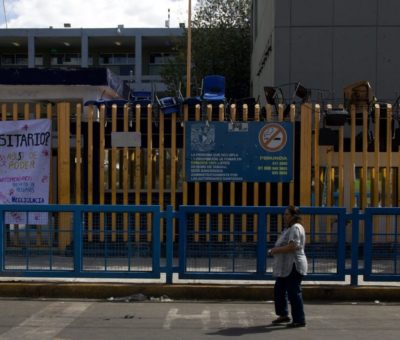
(92, 13)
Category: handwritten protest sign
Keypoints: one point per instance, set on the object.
(25, 152)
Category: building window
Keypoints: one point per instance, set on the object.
(158, 62)
(8, 59)
(39, 60)
(14, 59)
(65, 59)
(117, 59)
(21, 59)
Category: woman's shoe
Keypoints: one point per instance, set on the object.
(281, 319)
(296, 324)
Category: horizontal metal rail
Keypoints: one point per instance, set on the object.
(213, 242)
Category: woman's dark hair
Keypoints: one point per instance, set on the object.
(295, 213)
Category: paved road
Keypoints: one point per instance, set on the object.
(88, 319)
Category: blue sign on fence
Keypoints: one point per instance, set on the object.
(239, 151)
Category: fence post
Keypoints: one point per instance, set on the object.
(169, 247)
(261, 242)
(355, 224)
(77, 240)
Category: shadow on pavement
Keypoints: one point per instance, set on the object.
(238, 331)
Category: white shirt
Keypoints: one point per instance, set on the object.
(283, 262)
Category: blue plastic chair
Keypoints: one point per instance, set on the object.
(169, 105)
(213, 89)
(107, 102)
(142, 98)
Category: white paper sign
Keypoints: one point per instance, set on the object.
(25, 152)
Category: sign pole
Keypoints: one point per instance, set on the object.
(189, 50)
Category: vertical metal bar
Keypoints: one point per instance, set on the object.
(317, 202)
(78, 155)
(367, 243)
(244, 188)
(161, 166)
(341, 243)
(268, 184)
(3, 111)
(174, 158)
(78, 240)
(375, 174)
(256, 186)
(389, 179)
(340, 189)
(208, 185)
(329, 183)
(156, 242)
(64, 191)
(114, 175)
(232, 187)
(105, 245)
(261, 242)
(90, 173)
(27, 239)
(279, 186)
(364, 179)
(101, 168)
(184, 184)
(129, 244)
(220, 185)
(293, 121)
(125, 175)
(138, 180)
(169, 249)
(305, 157)
(38, 227)
(150, 174)
(182, 240)
(355, 225)
(353, 158)
(49, 113)
(196, 189)
(51, 233)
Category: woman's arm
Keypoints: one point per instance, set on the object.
(289, 248)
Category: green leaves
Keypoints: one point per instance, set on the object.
(221, 44)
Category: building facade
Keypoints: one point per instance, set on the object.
(326, 45)
(136, 55)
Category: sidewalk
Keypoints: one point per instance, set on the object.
(103, 289)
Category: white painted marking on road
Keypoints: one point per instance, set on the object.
(47, 323)
(224, 318)
(243, 320)
(173, 315)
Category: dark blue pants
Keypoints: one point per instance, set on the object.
(289, 288)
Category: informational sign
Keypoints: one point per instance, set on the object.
(25, 152)
(239, 151)
(126, 139)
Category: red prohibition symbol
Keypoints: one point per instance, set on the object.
(272, 137)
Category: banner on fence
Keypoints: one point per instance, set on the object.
(239, 151)
(25, 152)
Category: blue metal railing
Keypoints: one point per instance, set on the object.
(219, 243)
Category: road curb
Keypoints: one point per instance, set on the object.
(191, 292)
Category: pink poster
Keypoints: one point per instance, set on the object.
(25, 152)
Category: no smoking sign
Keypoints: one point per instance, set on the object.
(272, 137)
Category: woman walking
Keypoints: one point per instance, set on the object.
(289, 268)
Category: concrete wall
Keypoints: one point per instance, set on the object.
(330, 44)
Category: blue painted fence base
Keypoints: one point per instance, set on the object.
(210, 243)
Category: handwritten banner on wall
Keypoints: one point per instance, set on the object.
(25, 152)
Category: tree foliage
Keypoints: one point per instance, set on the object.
(221, 44)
